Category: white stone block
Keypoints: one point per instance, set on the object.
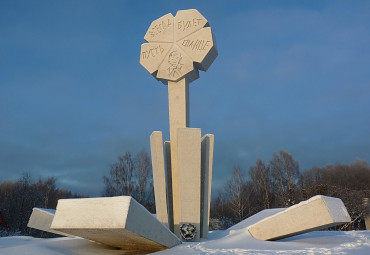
(178, 101)
(315, 213)
(41, 219)
(159, 176)
(167, 145)
(189, 177)
(115, 221)
(206, 182)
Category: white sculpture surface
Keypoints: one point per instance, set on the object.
(176, 49)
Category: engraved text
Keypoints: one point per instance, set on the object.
(159, 27)
(152, 53)
(186, 24)
(196, 44)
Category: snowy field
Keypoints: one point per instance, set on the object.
(235, 240)
(220, 242)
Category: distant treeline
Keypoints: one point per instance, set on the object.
(279, 183)
(17, 199)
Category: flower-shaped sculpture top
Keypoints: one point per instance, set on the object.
(178, 46)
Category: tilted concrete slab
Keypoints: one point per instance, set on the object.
(41, 219)
(115, 221)
(315, 213)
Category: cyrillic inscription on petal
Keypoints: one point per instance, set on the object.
(187, 22)
(200, 47)
(152, 55)
(161, 30)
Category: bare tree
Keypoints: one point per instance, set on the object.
(236, 188)
(48, 189)
(131, 176)
(285, 176)
(143, 172)
(120, 181)
(261, 179)
(220, 208)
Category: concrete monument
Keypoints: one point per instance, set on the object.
(177, 47)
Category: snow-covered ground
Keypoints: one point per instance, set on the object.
(317, 242)
(235, 240)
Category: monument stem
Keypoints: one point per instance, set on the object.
(178, 103)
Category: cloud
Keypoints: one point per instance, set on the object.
(289, 75)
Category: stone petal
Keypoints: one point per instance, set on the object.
(187, 22)
(176, 65)
(161, 30)
(152, 55)
(200, 47)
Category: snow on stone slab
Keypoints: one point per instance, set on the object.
(315, 213)
(41, 219)
(256, 218)
(115, 221)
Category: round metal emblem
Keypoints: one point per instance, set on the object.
(188, 231)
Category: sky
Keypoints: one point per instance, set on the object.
(290, 75)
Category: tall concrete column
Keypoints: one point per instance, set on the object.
(206, 181)
(167, 145)
(159, 177)
(189, 180)
(178, 101)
